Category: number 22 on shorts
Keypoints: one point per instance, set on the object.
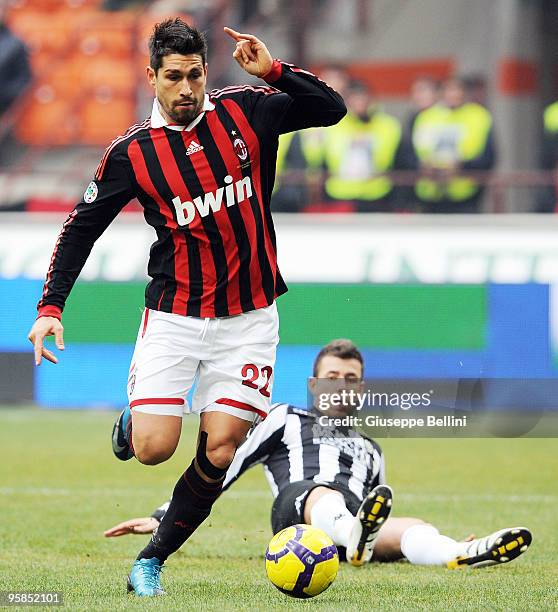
(250, 373)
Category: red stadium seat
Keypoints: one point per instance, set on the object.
(104, 72)
(85, 66)
(107, 34)
(77, 78)
(105, 118)
(21, 6)
(48, 119)
(43, 33)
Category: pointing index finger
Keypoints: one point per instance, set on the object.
(232, 33)
(238, 36)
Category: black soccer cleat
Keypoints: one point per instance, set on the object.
(120, 435)
(371, 515)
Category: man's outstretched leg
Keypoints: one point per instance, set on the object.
(193, 497)
(422, 544)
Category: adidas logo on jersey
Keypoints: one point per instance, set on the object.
(193, 147)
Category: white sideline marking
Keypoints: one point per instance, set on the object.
(475, 496)
(33, 491)
(52, 492)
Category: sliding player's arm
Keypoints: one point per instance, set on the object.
(103, 199)
(300, 100)
(258, 446)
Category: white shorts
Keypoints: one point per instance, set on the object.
(232, 360)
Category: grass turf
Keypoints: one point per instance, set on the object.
(60, 487)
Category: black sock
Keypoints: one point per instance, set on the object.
(191, 504)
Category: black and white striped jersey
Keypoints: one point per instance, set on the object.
(292, 446)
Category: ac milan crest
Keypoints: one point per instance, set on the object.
(240, 149)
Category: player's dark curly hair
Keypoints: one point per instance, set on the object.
(175, 36)
(342, 348)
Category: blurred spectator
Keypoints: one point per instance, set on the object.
(336, 77)
(425, 92)
(452, 136)
(360, 151)
(300, 156)
(299, 160)
(476, 87)
(547, 197)
(15, 70)
(119, 5)
(15, 76)
(248, 10)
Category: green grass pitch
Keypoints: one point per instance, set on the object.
(60, 487)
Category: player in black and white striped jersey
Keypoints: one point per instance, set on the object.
(334, 478)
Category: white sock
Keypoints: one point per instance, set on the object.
(424, 545)
(330, 514)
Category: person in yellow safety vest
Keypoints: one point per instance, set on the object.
(359, 153)
(547, 197)
(298, 151)
(450, 139)
(302, 152)
(424, 93)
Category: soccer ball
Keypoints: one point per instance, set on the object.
(301, 561)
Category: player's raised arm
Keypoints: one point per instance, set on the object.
(251, 53)
(309, 102)
(103, 199)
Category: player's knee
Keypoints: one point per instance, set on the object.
(314, 495)
(409, 521)
(221, 453)
(152, 450)
(388, 544)
(318, 492)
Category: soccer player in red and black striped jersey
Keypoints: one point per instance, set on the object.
(203, 167)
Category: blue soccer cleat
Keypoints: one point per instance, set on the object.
(144, 579)
(121, 435)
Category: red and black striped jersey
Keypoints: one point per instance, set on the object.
(205, 189)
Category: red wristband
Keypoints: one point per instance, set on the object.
(274, 73)
(50, 311)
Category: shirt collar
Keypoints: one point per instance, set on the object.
(157, 119)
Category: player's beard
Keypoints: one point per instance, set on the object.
(183, 115)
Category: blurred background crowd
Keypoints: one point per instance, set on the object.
(431, 128)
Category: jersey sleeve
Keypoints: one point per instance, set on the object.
(298, 100)
(109, 191)
(261, 442)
